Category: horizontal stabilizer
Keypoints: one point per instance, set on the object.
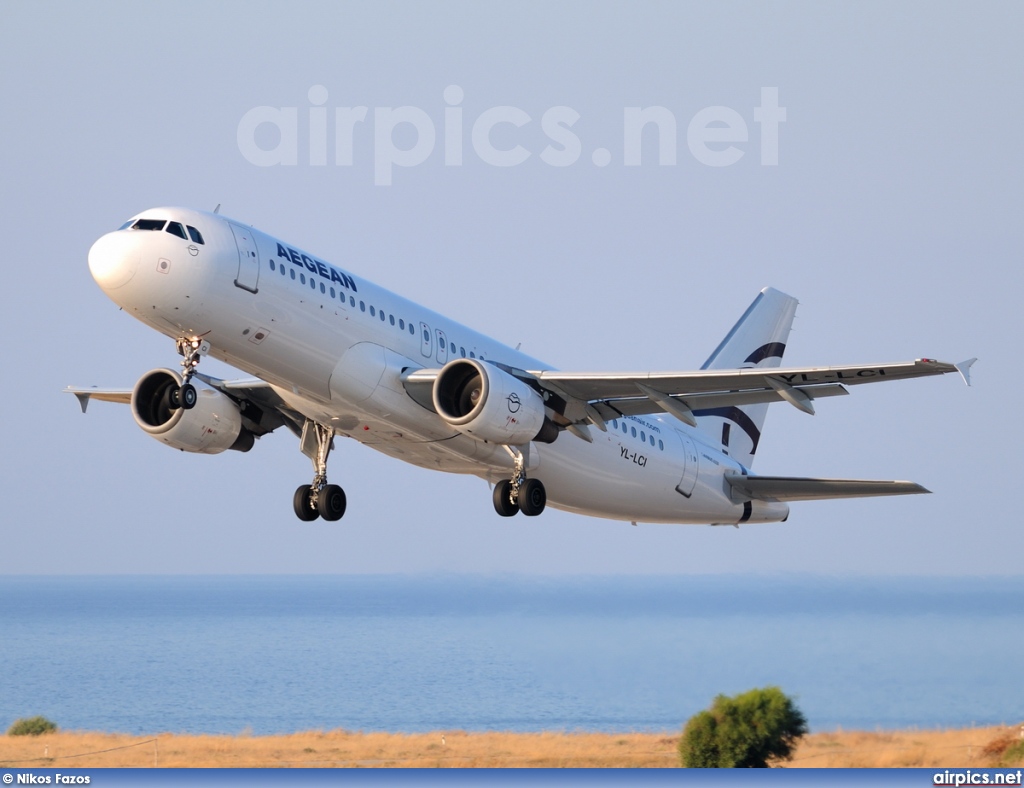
(793, 488)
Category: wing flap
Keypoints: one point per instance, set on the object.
(638, 406)
(793, 488)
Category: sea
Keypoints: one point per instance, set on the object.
(408, 653)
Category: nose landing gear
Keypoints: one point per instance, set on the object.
(318, 499)
(519, 494)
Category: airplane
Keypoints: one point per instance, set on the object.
(331, 354)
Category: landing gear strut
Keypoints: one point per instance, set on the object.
(318, 499)
(519, 494)
(192, 349)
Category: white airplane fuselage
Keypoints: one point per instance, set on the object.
(335, 347)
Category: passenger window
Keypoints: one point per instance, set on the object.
(452, 348)
(373, 312)
(472, 354)
(352, 301)
(412, 330)
(362, 306)
(625, 428)
(426, 335)
(302, 277)
(272, 266)
(652, 440)
(323, 289)
(312, 283)
(462, 352)
(382, 316)
(392, 319)
(332, 294)
(282, 271)
(194, 234)
(661, 445)
(292, 272)
(633, 430)
(643, 438)
(401, 324)
(149, 224)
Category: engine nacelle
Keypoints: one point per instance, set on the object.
(487, 403)
(212, 426)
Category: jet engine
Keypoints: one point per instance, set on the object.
(488, 404)
(212, 426)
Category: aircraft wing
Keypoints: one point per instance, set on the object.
(787, 488)
(681, 393)
(123, 396)
(597, 397)
(262, 409)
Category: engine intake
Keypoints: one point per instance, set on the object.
(212, 426)
(487, 403)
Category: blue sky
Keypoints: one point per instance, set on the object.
(893, 214)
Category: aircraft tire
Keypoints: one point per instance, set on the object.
(502, 498)
(532, 497)
(187, 396)
(301, 504)
(331, 503)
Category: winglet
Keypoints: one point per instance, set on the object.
(83, 399)
(964, 368)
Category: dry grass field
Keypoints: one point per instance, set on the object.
(976, 747)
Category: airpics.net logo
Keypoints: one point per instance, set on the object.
(407, 136)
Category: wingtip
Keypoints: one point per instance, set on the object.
(964, 368)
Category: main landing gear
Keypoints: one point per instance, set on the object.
(193, 349)
(519, 494)
(318, 499)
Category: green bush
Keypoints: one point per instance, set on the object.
(749, 729)
(1014, 754)
(31, 726)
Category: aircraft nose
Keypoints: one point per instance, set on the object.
(113, 260)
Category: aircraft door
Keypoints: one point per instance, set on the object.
(426, 341)
(248, 259)
(691, 466)
(442, 346)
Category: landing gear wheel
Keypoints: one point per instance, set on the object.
(532, 497)
(331, 502)
(187, 396)
(302, 502)
(502, 496)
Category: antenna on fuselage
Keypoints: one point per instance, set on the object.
(217, 209)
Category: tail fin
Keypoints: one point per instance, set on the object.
(757, 340)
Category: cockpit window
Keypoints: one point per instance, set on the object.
(149, 224)
(175, 228)
(126, 225)
(194, 234)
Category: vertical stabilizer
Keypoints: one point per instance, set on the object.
(757, 340)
